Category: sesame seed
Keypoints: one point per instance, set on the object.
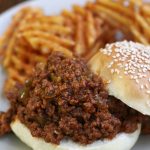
(135, 77)
(144, 70)
(142, 87)
(125, 72)
(146, 86)
(148, 92)
(117, 71)
(120, 77)
(117, 55)
(112, 71)
(137, 81)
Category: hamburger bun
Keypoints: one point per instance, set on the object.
(122, 141)
(125, 67)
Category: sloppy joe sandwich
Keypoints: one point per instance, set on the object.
(65, 106)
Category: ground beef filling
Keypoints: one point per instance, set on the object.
(5, 120)
(146, 125)
(64, 100)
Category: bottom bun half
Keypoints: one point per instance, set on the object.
(122, 141)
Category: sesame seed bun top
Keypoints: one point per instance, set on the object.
(125, 67)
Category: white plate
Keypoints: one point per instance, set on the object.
(10, 142)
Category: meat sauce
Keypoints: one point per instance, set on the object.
(64, 100)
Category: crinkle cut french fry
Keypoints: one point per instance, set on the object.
(117, 16)
(20, 65)
(145, 9)
(80, 10)
(99, 22)
(59, 20)
(68, 14)
(135, 3)
(28, 56)
(80, 47)
(148, 21)
(69, 23)
(138, 36)
(116, 7)
(120, 2)
(145, 26)
(14, 74)
(47, 47)
(52, 28)
(1, 45)
(94, 49)
(110, 21)
(50, 37)
(91, 33)
(9, 83)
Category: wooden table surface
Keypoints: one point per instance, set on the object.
(5, 4)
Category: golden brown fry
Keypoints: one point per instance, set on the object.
(59, 20)
(94, 49)
(53, 29)
(68, 14)
(117, 16)
(13, 74)
(16, 21)
(110, 21)
(136, 2)
(99, 22)
(138, 36)
(9, 84)
(116, 7)
(120, 2)
(142, 22)
(90, 33)
(20, 65)
(69, 23)
(80, 47)
(1, 44)
(46, 47)
(28, 56)
(148, 21)
(47, 36)
(79, 9)
(145, 9)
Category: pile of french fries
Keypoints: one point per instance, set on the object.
(32, 35)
